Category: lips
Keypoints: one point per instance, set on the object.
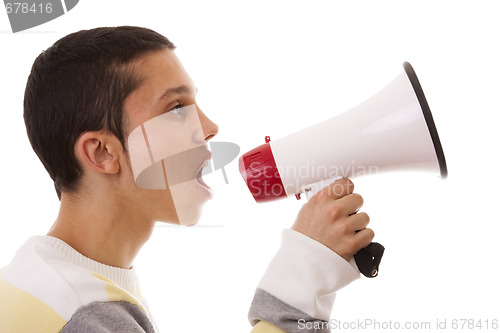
(206, 163)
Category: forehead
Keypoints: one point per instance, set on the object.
(160, 72)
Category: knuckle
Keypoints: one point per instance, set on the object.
(349, 185)
(318, 199)
(342, 228)
(371, 233)
(334, 212)
(336, 189)
(341, 187)
(358, 198)
(365, 217)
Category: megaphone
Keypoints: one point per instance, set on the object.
(392, 130)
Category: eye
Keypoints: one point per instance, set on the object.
(176, 109)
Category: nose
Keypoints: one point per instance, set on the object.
(210, 129)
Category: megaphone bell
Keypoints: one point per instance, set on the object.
(393, 130)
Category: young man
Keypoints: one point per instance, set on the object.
(101, 108)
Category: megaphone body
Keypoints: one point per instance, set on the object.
(393, 130)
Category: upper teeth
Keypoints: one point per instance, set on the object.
(205, 164)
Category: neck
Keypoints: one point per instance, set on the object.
(102, 227)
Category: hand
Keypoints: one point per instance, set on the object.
(330, 217)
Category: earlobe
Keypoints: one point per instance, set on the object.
(97, 151)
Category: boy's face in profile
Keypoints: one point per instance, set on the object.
(167, 135)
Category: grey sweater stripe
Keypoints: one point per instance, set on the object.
(105, 317)
(271, 309)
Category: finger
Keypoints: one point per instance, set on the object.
(350, 204)
(338, 188)
(358, 222)
(364, 237)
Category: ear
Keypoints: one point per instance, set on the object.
(99, 151)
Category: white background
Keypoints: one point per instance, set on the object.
(274, 67)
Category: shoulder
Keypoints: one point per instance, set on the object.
(117, 316)
(45, 289)
(39, 274)
(34, 296)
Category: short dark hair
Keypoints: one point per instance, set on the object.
(79, 84)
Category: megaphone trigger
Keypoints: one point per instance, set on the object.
(311, 189)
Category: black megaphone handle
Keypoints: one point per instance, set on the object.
(368, 259)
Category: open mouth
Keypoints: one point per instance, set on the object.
(199, 177)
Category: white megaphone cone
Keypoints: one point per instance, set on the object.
(393, 130)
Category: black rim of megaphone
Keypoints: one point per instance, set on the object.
(428, 118)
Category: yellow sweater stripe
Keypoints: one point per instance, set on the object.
(116, 293)
(266, 327)
(26, 313)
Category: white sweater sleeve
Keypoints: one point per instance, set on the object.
(300, 283)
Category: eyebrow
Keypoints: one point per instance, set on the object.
(176, 91)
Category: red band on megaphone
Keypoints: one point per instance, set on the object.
(258, 169)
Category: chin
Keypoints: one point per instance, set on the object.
(189, 199)
(190, 219)
(185, 203)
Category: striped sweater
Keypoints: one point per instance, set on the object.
(50, 287)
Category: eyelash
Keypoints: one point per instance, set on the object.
(176, 108)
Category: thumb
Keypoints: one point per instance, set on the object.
(338, 189)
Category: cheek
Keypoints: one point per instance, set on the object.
(169, 139)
